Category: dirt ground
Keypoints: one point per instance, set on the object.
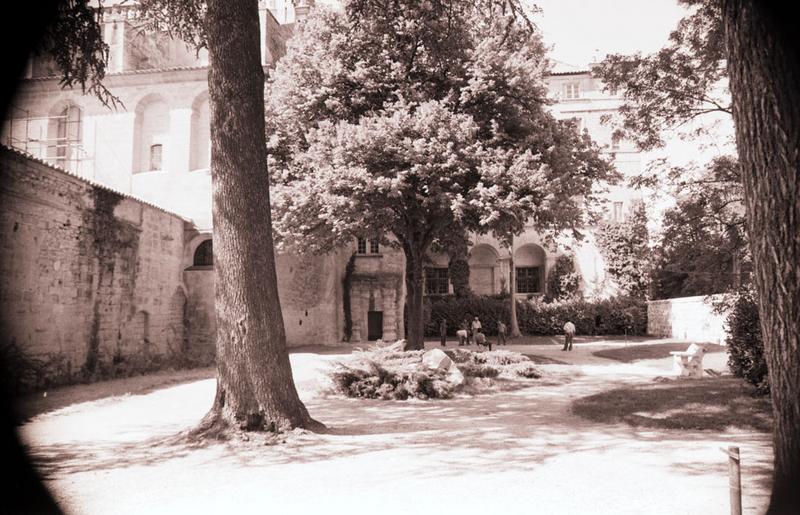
(519, 450)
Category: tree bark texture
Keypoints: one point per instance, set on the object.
(415, 308)
(512, 283)
(764, 70)
(255, 389)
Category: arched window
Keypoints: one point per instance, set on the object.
(482, 269)
(150, 134)
(204, 254)
(529, 264)
(155, 156)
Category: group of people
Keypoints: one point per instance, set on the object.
(473, 331)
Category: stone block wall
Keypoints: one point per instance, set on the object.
(686, 318)
(89, 278)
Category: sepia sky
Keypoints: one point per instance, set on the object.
(580, 29)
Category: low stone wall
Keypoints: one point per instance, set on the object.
(90, 279)
(686, 318)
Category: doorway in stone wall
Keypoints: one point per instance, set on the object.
(374, 325)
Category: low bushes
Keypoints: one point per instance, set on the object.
(620, 315)
(381, 373)
(745, 346)
(376, 382)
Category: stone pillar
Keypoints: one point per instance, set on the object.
(355, 313)
(180, 134)
(389, 310)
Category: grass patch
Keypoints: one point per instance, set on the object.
(655, 351)
(706, 404)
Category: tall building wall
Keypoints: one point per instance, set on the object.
(86, 274)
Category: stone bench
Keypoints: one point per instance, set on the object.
(689, 363)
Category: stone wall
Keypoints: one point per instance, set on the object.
(686, 318)
(89, 278)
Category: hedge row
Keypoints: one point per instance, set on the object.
(604, 317)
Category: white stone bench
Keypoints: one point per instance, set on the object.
(689, 363)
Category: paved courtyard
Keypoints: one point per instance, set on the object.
(519, 450)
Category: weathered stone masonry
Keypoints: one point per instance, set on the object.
(88, 277)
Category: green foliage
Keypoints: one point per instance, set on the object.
(563, 282)
(75, 43)
(438, 135)
(347, 283)
(478, 370)
(23, 373)
(458, 269)
(420, 120)
(376, 382)
(745, 345)
(621, 315)
(704, 247)
(624, 246)
(680, 82)
(383, 373)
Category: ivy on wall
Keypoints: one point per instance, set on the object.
(564, 281)
(626, 253)
(347, 283)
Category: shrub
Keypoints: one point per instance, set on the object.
(528, 371)
(563, 281)
(374, 381)
(621, 315)
(472, 369)
(745, 346)
(383, 373)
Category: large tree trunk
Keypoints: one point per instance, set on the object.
(764, 70)
(515, 332)
(255, 390)
(415, 284)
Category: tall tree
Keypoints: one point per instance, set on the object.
(255, 390)
(703, 247)
(419, 120)
(764, 69)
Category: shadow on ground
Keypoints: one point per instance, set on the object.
(715, 404)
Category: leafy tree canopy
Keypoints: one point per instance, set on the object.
(420, 119)
(703, 247)
(668, 89)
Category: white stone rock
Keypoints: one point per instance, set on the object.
(454, 375)
(436, 359)
(397, 346)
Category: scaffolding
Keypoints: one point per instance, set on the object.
(55, 139)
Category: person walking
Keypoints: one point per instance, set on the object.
(443, 331)
(476, 327)
(569, 333)
(501, 333)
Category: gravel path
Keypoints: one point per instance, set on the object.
(515, 451)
